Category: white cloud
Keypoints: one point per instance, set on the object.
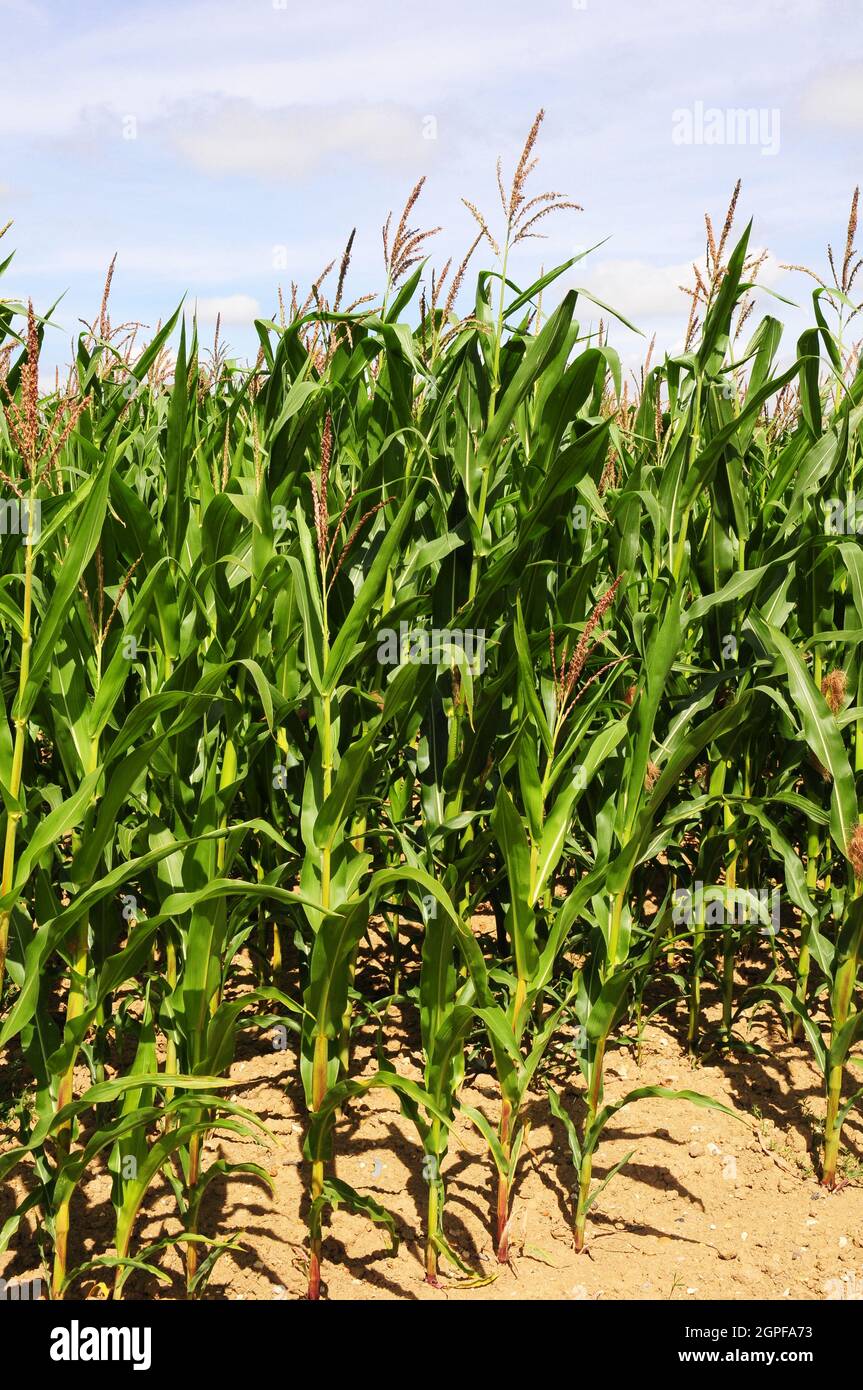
(25, 8)
(836, 98)
(147, 62)
(639, 291)
(240, 138)
(221, 90)
(645, 293)
(199, 265)
(141, 60)
(230, 308)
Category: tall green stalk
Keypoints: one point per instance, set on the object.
(20, 722)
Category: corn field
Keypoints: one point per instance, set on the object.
(432, 650)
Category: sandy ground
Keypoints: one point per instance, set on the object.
(707, 1207)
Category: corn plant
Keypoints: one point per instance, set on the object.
(426, 617)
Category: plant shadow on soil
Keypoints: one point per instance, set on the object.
(670, 1220)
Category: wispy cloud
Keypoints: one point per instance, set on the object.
(231, 309)
(229, 138)
(835, 98)
(646, 293)
(151, 62)
(181, 264)
(640, 291)
(258, 124)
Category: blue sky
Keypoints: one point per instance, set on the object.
(264, 131)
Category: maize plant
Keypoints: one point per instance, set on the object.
(428, 679)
